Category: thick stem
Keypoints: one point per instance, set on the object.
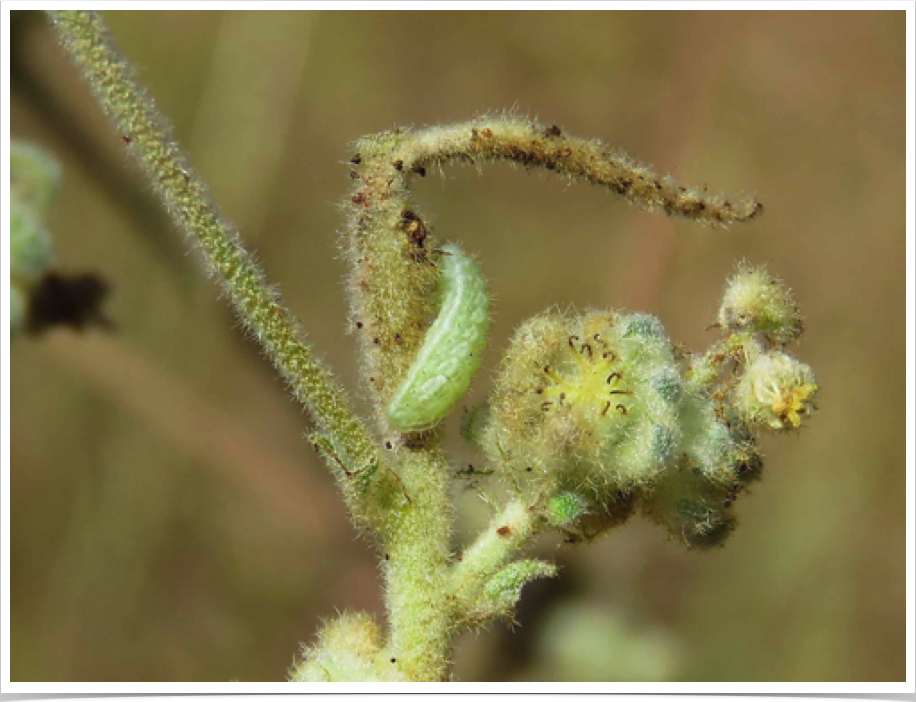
(416, 569)
(149, 139)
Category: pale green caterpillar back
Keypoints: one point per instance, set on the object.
(451, 351)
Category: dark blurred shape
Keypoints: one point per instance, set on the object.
(68, 300)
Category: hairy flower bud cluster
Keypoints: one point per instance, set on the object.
(598, 413)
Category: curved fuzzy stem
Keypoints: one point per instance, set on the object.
(149, 139)
(531, 144)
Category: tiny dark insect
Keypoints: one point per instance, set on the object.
(414, 227)
(504, 531)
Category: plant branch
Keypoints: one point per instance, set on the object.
(508, 532)
(148, 134)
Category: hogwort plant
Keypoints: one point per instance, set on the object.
(593, 418)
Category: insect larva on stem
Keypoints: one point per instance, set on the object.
(451, 351)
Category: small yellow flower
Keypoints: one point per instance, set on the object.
(777, 391)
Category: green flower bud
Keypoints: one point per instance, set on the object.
(776, 391)
(755, 301)
(565, 508)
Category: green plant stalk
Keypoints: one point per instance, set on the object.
(148, 136)
(416, 568)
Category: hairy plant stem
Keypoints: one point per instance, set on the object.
(148, 137)
(416, 569)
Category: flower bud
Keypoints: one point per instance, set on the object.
(565, 508)
(755, 301)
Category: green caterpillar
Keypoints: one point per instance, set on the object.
(450, 355)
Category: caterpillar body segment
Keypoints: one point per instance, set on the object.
(451, 351)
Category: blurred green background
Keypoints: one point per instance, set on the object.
(169, 522)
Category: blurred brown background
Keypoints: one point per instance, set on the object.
(170, 523)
